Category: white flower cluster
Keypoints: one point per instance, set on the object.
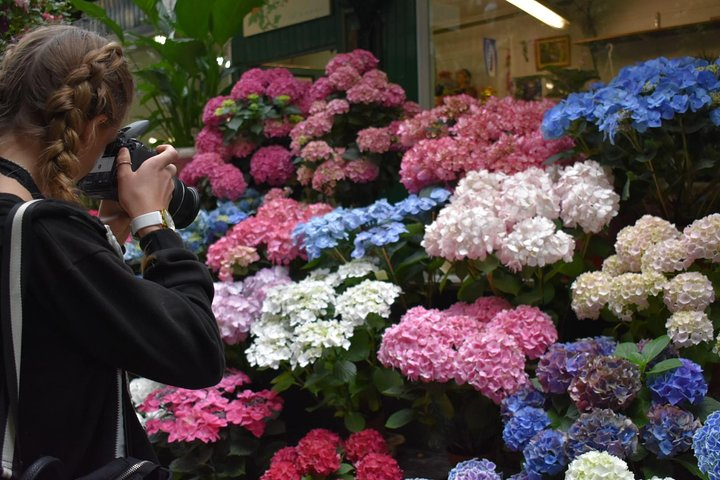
(613, 266)
(702, 238)
(301, 320)
(634, 240)
(666, 256)
(629, 292)
(590, 293)
(689, 328)
(513, 215)
(595, 465)
(689, 291)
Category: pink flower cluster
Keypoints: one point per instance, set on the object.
(270, 229)
(321, 453)
(484, 344)
(237, 305)
(272, 165)
(273, 83)
(460, 136)
(188, 415)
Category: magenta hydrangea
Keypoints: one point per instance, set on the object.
(272, 165)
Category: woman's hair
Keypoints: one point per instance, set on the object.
(52, 82)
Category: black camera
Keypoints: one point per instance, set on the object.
(101, 182)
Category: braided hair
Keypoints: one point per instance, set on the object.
(53, 81)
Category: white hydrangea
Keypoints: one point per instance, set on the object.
(586, 196)
(272, 341)
(370, 296)
(590, 292)
(689, 291)
(300, 302)
(535, 242)
(595, 465)
(689, 328)
(357, 268)
(667, 256)
(716, 348)
(312, 338)
(478, 188)
(632, 241)
(629, 292)
(463, 233)
(702, 238)
(613, 266)
(525, 195)
(140, 388)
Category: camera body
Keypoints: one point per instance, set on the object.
(101, 182)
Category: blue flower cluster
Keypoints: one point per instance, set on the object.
(525, 476)
(562, 361)
(474, 470)
(545, 453)
(381, 224)
(523, 426)
(602, 430)
(641, 97)
(706, 445)
(685, 383)
(527, 396)
(669, 430)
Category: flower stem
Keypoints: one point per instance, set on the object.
(658, 190)
(393, 276)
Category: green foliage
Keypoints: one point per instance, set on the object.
(185, 71)
(16, 17)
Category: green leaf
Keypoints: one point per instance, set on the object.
(690, 467)
(193, 17)
(386, 380)
(359, 347)
(490, 264)
(506, 283)
(400, 418)
(626, 350)
(228, 16)
(653, 348)
(471, 289)
(665, 365)
(354, 421)
(375, 321)
(283, 381)
(98, 13)
(344, 371)
(706, 407)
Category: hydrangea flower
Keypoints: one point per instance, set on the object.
(669, 255)
(362, 443)
(559, 365)
(590, 293)
(598, 466)
(532, 329)
(535, 242)
(605, 382)
(526, 396)
(377, 466)
(474, 470)
(603, 430)
(633, 240)
(370, 296)
(688, 291)
(669, 431)
(702, 238)
(689, 328)
(545, 453)
(629, 292)
(683, 384)
(522, 426)
(706, 446)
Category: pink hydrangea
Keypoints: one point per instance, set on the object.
(434, 161)
(282, 471)
(320, 89)
(251, 409)
(210, 140)
(283, 83)
(275, 128)
(378, 466)
(361, 171)
(317, 457)
(317, 151)
(252, 82)
(344, 78)
(482, 310)
(364, 93)
(241, 147)
(360, 444)
(272, 165)
(214, 112)
(360, 60)
(201, 166)
(393, 96)
(227, 182)
(327, 175)
(532, 329)
(285, 454)
(337, 106)
(374, 140)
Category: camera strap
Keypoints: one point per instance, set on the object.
(15, 171)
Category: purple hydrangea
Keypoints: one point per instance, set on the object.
(602, 430)
(562, 361)
(474, 470)
(605, 382)
(523, 426)
(545, 453)
(669, 430)
(525, 476)
(683, 384)
(706, 445)
(527, 396)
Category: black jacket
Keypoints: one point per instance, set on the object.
(85, 315)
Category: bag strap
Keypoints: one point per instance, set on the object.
(11, 319)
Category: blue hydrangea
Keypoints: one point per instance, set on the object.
(545, 453)
(525, 476)
(474, 470)
(602, 430)
(562, 361)
(669, 431)
(527, 396)
(641, 96)
(683, 384)
(523, 426)
(706, 445)
(379, 236)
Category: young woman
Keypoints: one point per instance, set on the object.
(64, 93)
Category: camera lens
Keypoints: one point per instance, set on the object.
(184, 205)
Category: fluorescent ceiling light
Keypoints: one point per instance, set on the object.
(541, 12)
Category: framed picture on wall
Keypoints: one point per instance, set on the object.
(552, 51)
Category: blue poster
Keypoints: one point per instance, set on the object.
(490, 54)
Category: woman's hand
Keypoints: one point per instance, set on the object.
(150, 187)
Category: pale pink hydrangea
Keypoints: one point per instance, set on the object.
(493, 363)
(532, 329)
(327, 175)
(670, 255)
(364, 93)
(479, 188)
(361, 171)
(360, 60)
(702, 238)
(374, 140)
(393, 96)
(460, 233)
(375, 78)
(590, 293)
(337, 106)
(410, 109)
(227, 182)
(688, 328)
(317, 106)
(613, 266)
(525, 195)
(317, 151)
(272, 165)
(344, 78)
(586, 195)
(688, 291)
(632, 241)
(535, 242)
(481, 310)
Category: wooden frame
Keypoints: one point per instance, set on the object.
(552, 51)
